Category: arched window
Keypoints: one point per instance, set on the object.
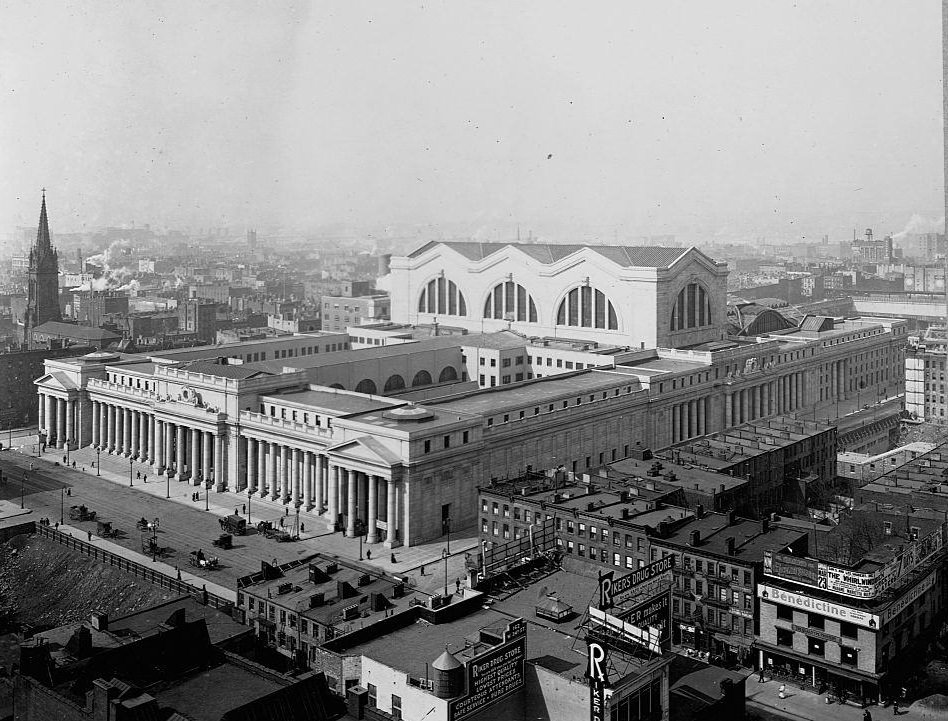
(510, 301)
(422, 378)
(394, 383)
(443, 297)
(338, 386)
(448, 374)
(692, 308)
(587, 307)
(366, 386)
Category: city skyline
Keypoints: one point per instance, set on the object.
(735, 122)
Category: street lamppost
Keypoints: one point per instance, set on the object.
(62, 506)
(98, 461)
(154, 539)
(249, 496)
(168, 487)
(359, 533)
(298, 523)
(444, 555)
(207, 498)
(448, 524)
(129, 471)
(22, 488)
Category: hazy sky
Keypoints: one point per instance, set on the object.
(650, 117)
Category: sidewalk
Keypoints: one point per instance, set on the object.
(810, 706)
(314, 535)
(197, 581)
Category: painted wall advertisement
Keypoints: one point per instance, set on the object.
(494, 674)
(813, 573)
(597, 681)
(653, 613)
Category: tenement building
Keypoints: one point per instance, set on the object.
(853, 613)
(394, 439)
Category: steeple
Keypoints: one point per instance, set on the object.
(42, 231)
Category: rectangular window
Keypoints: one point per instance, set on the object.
(427, 446)
(784, 638)
(815, 621)
(848, 630)
(814, 646)
(847, 655)
(784, 613)
(396, 706)
(373, 695)
(447, 441)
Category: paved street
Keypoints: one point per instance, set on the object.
(186, 526)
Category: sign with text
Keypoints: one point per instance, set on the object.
(909, 598)
(855, 584)
(597, 681)
(818, 605)
(494, 674)
(614, 590)
(652, 613)
(617, 629)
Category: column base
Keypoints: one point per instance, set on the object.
(371, 539)
(392, 544)
(160, 470)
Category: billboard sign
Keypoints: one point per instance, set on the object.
(597, 681)
(615, 590)
(495, 674)
(654, 613)
(617, 628)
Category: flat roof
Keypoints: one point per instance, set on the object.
(536, 392)
(331, 400)
(210, 693)
(687, 476)
(665, 365)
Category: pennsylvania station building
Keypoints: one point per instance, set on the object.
(558, 356)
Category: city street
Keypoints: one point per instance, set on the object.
(185, 525)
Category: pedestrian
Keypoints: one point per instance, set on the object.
(287, 511)
(244, 508)
(760, 675)
(178, 570)
(145, 478)
(90, 536)
(895, 707)
(302, 528)
(281, 523)
(57, 524)
(64, 459)
(138, 475)
(866, 716)
(393, 559)
(457, 585)
(422, 569)
(368, 554)
(235, 511)
(204, 594)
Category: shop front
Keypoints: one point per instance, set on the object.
(817, 675)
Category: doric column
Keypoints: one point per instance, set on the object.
(181, 458)
(307, 480)
(152, 446)
(144, 438)
(136, 427)
(692, 419)
(262, 468)
(332, 511)
(194, 465)
(219, 474)
(70, 422)
(390, 513)
(272, 452)
(95, 423)
(127, 437)
(169, 448)
(701, 417)
(676, 420)
(41, 411)
(372, 536)
(207, 455)
(352, 509)
(103, 426)
(727, 410)
(321, 482)
(363, 485)
(50, 411)
(61, 422)
(159, 446)
(119, 429)
(251, 465)
(294, 460)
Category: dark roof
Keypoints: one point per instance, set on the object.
(625, 255)
(83, 332)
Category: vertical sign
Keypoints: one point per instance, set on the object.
(597, 681)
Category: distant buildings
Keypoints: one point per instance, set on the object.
(42, 303)
(341, 312)
(870, 250)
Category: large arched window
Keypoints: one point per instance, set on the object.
(692, 308)
(587, 307)
(366, 385)
(510, 301)
(443, 297)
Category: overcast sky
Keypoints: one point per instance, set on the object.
(699, 117)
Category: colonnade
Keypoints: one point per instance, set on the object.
(781, 395)
(277, 471)
(690, 419)
(307, 479)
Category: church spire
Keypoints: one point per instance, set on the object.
(42, 232)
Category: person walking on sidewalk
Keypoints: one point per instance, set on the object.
(866, 716)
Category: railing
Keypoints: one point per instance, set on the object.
(139, 570)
